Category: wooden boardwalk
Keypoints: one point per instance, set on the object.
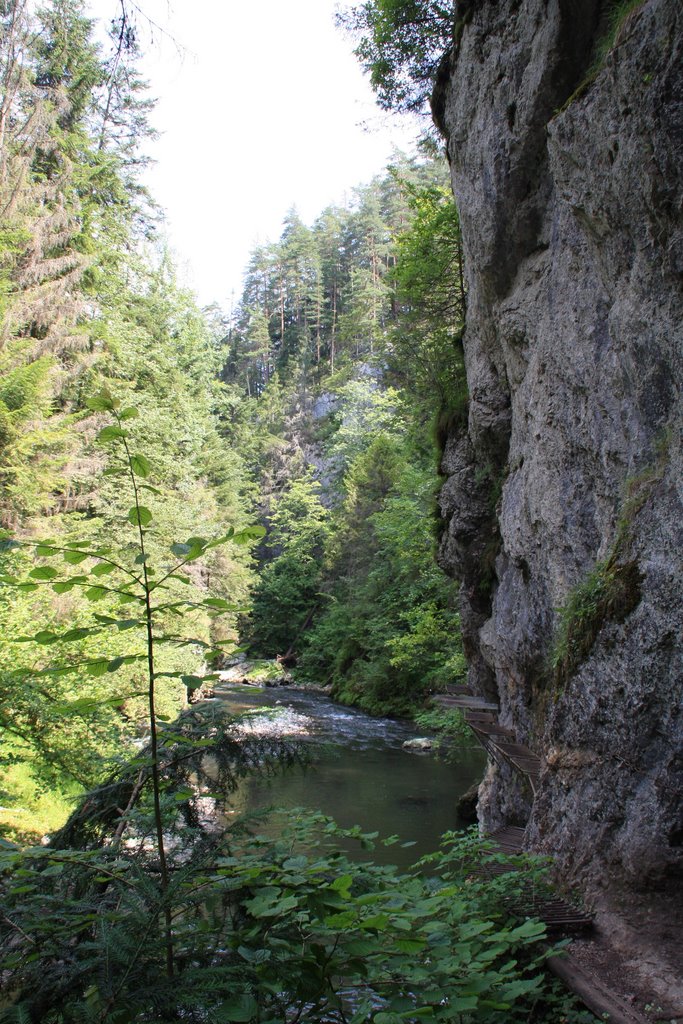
(501, 745)
(499, 742)
(559, 915)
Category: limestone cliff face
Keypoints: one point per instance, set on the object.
(571, 202)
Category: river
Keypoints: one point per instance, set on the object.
(360, 772)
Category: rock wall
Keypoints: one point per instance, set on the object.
(567, 487)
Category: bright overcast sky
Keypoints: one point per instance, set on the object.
(265, 109)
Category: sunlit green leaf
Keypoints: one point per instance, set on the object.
(219, 604)
(44, 572)
(139, 515)
(46, 550)
(130, 413)
(97, 667)
(103, 401)
(44, 636)
(102, 569)
(248, 534)
(111, 433)
(64, 587)
(140, 465)
(74, 557)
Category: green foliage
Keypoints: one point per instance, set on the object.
(389, 632)
(69, 688)
(287, 590)
(447, 721)
(400, 45)
(270, 930)
(426, 353)
(609, 593)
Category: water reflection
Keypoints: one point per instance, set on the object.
(360, 773)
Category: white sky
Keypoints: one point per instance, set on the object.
(263, 111)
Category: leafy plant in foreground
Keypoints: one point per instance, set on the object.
(272, 930)
(134, 582)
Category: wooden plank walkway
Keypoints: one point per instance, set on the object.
(501, 745)
(499, 742)
(557, 914)
(560, 917)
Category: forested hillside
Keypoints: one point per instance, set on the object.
(292, 413)
(90, 300)
(347, 343)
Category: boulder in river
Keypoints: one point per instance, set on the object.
(419, 744)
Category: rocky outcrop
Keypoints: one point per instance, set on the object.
(566, 490)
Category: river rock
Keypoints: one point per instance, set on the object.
(419, 744)
(466, 805)
(569, 183)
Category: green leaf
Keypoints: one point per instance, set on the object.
(74, 557)
(95, 593)
(530, 929)
(8, 544)
(460, 1003)
(240, 1010)
(192, 682)
(193, 548)
(98, 667)
(219, 604)
(44, 572)
(130, 413)
(410, 945)
(103, 401)
(64, 587)
(102, 569)
(84, 704)
(342, 884)
(76, 634)
(140, 465)
(139, 515)
(45, 636)
(148, 487)
(46, 550)
(180, 549)
(249, 534)
(111, 433)
(222, 540)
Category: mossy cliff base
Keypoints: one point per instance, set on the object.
(563, 498)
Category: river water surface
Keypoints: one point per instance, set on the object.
(360, 772)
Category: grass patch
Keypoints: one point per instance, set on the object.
(608, 594)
